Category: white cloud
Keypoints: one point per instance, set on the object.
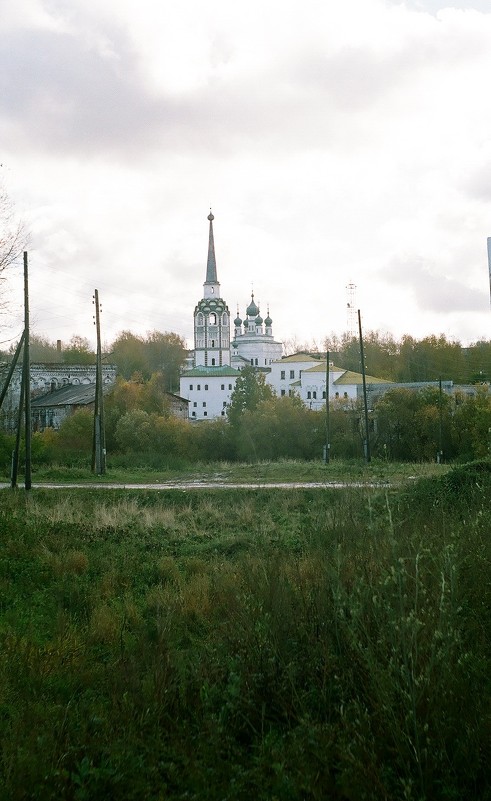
(336, 142)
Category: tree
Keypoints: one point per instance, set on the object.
(250, 389)
(279, 428)
(78, 351)
(13, 236)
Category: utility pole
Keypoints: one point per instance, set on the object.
(327, 446)
(440, 423)
(99, 439)
(27, 378)
(365, 403)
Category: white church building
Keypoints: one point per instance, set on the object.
(221, 351)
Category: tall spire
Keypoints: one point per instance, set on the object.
(211, 287)
(211, 266)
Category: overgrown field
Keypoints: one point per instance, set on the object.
(302, 644)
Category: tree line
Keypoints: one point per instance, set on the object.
(405, 425)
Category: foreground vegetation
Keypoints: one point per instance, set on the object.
(304, 644)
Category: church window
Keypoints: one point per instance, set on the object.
(309, 395)
(282, 375)
(206, 386)
(252, 362)
(292, 373)
(283, 392)
(199, 319)
(255, 362)
(204, 404)
(314, 395)
(194, 414)
(198, 387)
(224, 320)
(191, 387)
(213, 318)
(223, 414)
(230, 386)
(212, 343)
(324, 395)
(195, 403)
(222, 386)
(205, 414)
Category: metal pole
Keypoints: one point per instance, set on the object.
(365, 403)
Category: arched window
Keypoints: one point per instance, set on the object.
(200, 319)
(212, 318)
(224, 319)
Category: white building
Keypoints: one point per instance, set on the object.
(305, 375)
(220, 354)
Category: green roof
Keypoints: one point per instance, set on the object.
(321, 368)
(209, 372)
(349, 377)
(298, 357)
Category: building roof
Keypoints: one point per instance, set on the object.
(211, 265)
(209, 372)
(298, 357)
(71, 395)
(321, 368)
(350, 378)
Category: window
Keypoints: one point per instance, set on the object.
(292, 373)
(345, 395)
(206, 386)
(282, 392)
(212, 364)
(282, 375)
(255, 362)
(337, 395)
(223, 414)
(205, 414)
(194, 414)
(204, 404)
(290, 393)
(309, 395)
(224, 319)
(195, 403)
(212, 343)
(199, 319)
(314, 395)
(222, 386)
(191, 387)
(198, 387)
(212, 319)
(324, 395)
(230, 386)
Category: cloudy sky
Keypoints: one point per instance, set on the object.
(338, 142)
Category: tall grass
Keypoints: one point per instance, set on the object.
(296, 645)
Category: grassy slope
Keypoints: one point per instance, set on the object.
(301, 645)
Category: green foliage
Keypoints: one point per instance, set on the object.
(78, 351)
(240, 644)
(249, 391)
(279, 428)
(156, 353)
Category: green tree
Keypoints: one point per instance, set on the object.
(279, 428)
(134, 431)
(250, 390)
(472, 424)
(78, 351)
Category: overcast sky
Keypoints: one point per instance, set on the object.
(338, 142)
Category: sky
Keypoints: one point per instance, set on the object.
(338, 144)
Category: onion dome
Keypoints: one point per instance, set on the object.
(252, 309)
(259, 320)
(237, 321)
(268, 321)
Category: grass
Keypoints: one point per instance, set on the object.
(233, 473)
(297, 644)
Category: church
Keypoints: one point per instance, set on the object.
(223, 349)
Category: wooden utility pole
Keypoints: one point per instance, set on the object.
(327, 446)
(27, 378)
(25, 394)
(365, 403)
(99, 439)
